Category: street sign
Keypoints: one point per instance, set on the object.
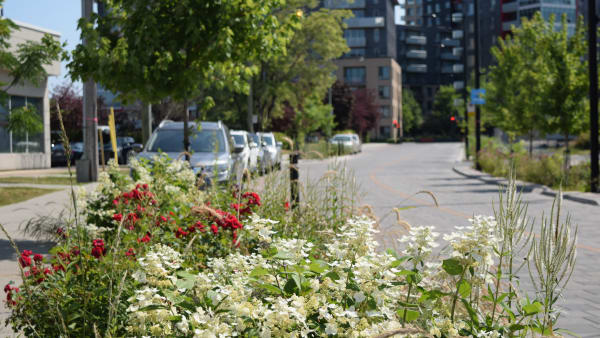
(471, 109)
(478, 96)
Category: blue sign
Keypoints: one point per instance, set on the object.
(478, 96)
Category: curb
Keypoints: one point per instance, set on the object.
(524, 186)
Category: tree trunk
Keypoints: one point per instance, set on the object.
(567, 159)
(530, 143)
(186, 131)
(249, 117)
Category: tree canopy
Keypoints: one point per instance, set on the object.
(412, 116)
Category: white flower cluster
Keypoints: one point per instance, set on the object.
(474, 244)
(259, 228)
(420, 242)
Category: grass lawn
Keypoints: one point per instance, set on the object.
(10, 195)
(38, 180)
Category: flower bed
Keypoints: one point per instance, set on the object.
(151, 255)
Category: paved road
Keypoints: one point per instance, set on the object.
(390, 174)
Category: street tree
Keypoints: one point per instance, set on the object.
(440, 122)
(342, 101)
(365, 114)
(71, 108)
(151, 51)
(24, 64)
(306, 69)
(412, 115)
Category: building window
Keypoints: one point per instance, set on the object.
(385, 111)
(354, 75)
(356, 52)
(10, 143)
(358, 13)
(384, 92)
(384, 132)
(384, 73)
(376, 35)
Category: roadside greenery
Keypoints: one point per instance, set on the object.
(151, 255)
(539, 83)
(497, 159)
(11, 195)
(412, 115)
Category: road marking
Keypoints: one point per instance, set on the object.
(372, 176)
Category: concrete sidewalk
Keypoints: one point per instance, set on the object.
(12, 217)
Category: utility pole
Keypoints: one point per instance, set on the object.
(146, 122)
(87, 167)
(249, 117)
(465, 76)
(477, 86)
(593, 73)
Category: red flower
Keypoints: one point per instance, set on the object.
(200, 226)
(98, 249)
(38, 258)
(181, 233)
(47, 271)
(130, 253)
(118, 217)
(25, 260)
(116, 202)
(172, 213)
(144, 239)
(227, 220)
(214, 229)
(7, 288)
(75, 251)
(58, 267)
(286, 206)
(27, 253)
(253, 198)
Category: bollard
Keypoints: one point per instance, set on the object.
(294, 176)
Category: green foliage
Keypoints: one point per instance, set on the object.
(25, 120)
(412, 116)
(439, 122)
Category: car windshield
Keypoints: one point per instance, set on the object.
(204, 141)
(342, 138)
(239, 140)
(268, 139)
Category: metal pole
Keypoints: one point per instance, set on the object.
(593, 70)
(87, 171)
(250, 118)
(146, 122)
(477, 85)
(465, 78)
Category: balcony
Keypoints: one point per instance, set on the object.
(458, 85)
(450, 43)
(457, 17)
(449, 56)
(458, 68)
(447, 70)
(356, 41)
(510, 7)
(457, 51)
(457, 34)
(416, 40)
(368, 22)
(344, 4)
(506, 25)
(416, 54)
(416, 68)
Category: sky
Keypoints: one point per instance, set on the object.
(61, 16)
(57, 15)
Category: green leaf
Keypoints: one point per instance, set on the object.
(471, 311)
(411, 315)
(533, 308)
(259, 271)
(333, 276)
(270, 288)
(452, 266)
(431, 295)
(405, 273)
(464, 289)
(318, 267)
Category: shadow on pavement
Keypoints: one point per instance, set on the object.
(7, 252)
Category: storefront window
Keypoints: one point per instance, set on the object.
(26, 143)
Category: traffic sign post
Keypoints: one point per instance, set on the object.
(478, 96)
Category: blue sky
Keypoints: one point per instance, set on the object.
(61, 16)
(57, 15)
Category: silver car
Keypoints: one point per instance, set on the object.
(210, 148)
(345, 142)
(272, 150)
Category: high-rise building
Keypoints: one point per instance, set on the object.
(513, 11)
(370, 63)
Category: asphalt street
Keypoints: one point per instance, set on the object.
(390, 175)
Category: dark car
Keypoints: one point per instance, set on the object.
(58, 155)
(126, 148)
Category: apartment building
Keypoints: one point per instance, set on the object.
(371, 61)
(28, 151)
(514, 10)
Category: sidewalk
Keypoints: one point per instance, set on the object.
(12, 217)
(465, 168)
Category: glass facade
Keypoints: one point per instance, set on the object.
(10, 143)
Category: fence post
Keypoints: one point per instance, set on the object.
(294, 176)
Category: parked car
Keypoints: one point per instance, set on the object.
(58, 155)
(242, 149)
(357, 143)
(126, 148)
(257, 152)
(210, 146)
(272, 150)
(346, 141)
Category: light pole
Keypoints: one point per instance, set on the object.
(477, 85)
(593, 70)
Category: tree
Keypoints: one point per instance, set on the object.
(365, 114)
(412, 116)
(176, 49)
(342, 100)
(25, 65)
(71, 106)
(440, 121)
(306, 68)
